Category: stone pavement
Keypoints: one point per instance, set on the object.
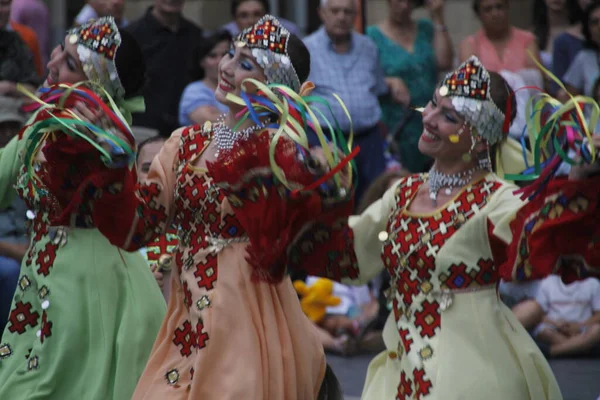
(579, 379)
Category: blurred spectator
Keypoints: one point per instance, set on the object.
(347, 63)
(572, 322)
(166, 38)
(246, 13)
(521, 297)
(343, 324)
(102, 8)
(413, 52)
(26, 34)
(16, 61)
(569, 43)
(34, 14)
(159, 253)
(550, 19)
(198, 103)
(13, 239)
(583, 72)
(499, 45)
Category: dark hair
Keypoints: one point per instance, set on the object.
(585, 28)
(300, 57)
(150, 140)
(541, 27)
(379, 186)
(501, 93)
(236, 3)
(476, 5)
(201, 50)
(131, 65)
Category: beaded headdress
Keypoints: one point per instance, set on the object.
(268, 41)
(97, 44)
(469, 88)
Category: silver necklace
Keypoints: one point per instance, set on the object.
(438, 180)
(225, 137)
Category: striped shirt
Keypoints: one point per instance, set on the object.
(356, 77)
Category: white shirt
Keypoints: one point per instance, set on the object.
(575, 302)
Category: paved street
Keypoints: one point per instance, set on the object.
(579, 379)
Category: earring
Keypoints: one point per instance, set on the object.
(454, 138)
(467, 156)
(485, 162)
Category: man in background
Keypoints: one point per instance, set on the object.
(166, 39)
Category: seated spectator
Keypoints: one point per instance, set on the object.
(35, 15)
(13, 238)
(499, 45)
(343, 323)
(583, 72)
(520, 297)
(159, 253)
(94, 9)
(198, 103)
(571, 325)
(246, 13)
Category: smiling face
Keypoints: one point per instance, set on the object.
(64, 65)
(235, 67)
(440, 123)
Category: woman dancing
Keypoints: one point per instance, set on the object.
(85, 313)
(232, 331)
(447, 237)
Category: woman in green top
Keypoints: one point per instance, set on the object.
(413, 51)
(85, 314)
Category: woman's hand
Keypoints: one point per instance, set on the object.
(436, 10)
(581, 172)
(318, 155)
(398, 90)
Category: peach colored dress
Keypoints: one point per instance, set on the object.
(224, 336)
(515, 54)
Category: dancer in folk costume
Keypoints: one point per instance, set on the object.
(234, 328)
(448, 236)
(85, 313)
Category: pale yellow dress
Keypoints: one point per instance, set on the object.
(449, 336)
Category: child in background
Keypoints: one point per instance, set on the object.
(571, 325)
(158, 254)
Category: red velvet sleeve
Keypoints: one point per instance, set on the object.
(128, 213)
(278, 221)
(562, 223)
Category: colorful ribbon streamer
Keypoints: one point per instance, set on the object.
(554, 130)
(295, 116)
(52, 113)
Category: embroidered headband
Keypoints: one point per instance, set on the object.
(469, 88)
(97, 44)
(268, 41)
